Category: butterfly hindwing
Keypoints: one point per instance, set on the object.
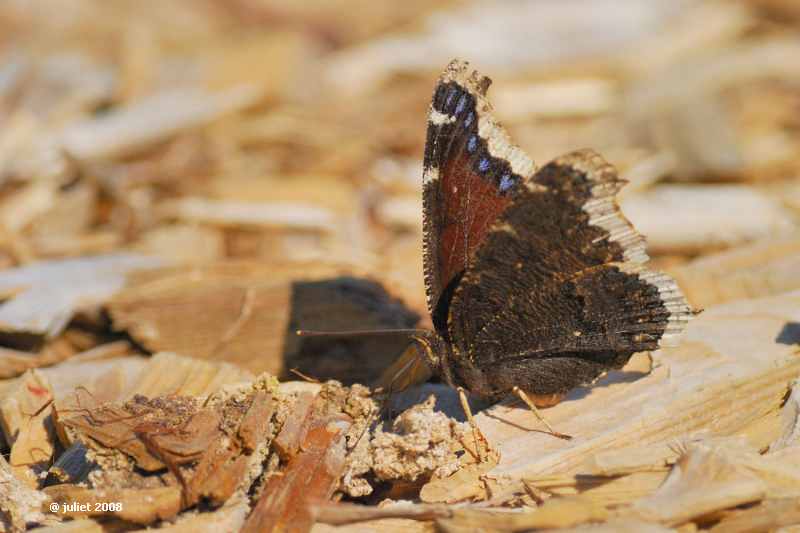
(544, 235)
(582, 301)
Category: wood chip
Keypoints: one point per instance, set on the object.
(21, 504)
(173, 374)
(616, 462)
(759, 269)
(239, 321)
(15, 362)
(704, 480)
(228, 517)
(256, 421)
(142, 506)
(177, 202)
(150, 438)
(228, 213)
(311, 475)
(149, 120)
(25, 413)
(294, 429)
(51, 292)
(689, 220)
(555, 514)
(768, 516)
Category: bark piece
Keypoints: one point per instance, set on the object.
(294, 429)
(310, 475)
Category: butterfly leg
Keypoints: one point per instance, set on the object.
(475, 431)
(524, 397)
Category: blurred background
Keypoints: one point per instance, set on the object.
(288, 136)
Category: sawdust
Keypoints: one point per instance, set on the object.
(422, 444)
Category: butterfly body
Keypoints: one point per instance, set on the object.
(534, 278)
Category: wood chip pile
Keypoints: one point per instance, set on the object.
(184, 184)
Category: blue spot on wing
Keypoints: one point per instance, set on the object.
(468, 120)
(449, 99)
(462, 103)
(506, 182)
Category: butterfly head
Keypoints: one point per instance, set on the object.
(453, 369)
(433, 350)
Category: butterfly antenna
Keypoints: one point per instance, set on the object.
(303, 376)
(358, 333)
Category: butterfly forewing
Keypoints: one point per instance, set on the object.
(471, 173)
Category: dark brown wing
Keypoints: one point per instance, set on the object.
(559, 293)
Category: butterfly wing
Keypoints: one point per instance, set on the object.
(471, 170)
(558, 293)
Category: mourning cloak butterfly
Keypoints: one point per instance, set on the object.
(534, 279)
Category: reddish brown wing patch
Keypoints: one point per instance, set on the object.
(469, 208)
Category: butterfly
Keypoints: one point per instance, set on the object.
(534, 278)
